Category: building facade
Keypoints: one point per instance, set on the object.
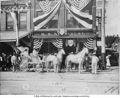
(48, 20)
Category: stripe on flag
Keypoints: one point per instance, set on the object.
(79, 4)
(58, 43)
(37, 43)
(45, 6)
(89, 43)
(40, 21)
(82, 18)
(14, 17)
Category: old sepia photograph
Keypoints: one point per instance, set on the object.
(59, 48)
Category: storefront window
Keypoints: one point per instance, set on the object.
(9, 22)
(23, 20)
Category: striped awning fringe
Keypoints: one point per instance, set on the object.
(89, 43)
(37, 43)
(58, 43)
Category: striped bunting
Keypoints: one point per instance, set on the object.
(79, 4)
(58, 43)
(89, 43)
(40, 21)
(83, 18)
(37, 43)
(45, 6)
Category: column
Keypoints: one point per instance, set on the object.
(62, 18)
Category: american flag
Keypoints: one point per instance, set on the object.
(79, 4)
(89, 43)
(45, 6)
(58, 43)
(37, 43)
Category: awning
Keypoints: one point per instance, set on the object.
(9, 36)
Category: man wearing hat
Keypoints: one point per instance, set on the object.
(94, 63)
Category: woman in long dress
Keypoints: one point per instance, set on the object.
(108, 60)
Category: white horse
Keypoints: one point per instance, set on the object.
(36, 62)
(76, 58)
(25, 58)
(55, 60)
(58, 60)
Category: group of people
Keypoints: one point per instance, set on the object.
(5, 62)
(10, 62)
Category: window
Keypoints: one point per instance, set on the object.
(9, 22)
(71, 22)
(23, 20)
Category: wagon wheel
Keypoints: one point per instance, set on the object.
(24, 67)
(38, 68)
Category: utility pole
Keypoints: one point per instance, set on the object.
(94, 24)
(119, 60)
(0, 13)
(103, 35)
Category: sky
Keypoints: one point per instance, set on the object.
(113, 18)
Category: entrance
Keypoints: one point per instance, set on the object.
(5, 48)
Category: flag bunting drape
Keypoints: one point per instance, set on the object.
(40, 21)
(45, 6)
(89, 43)
(14, 16)
(79, 4)
(75, 8)
(58, 43)
(83, 18)
(37, 43)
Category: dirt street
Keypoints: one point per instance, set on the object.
(34, 83)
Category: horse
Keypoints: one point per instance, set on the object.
(76, 58)
(55, 60)
(58, 60)
(25, 58)
(36, 62)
